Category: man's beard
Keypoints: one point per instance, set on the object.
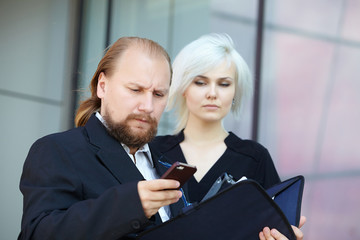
(124, 134)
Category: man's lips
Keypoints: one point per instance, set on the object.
(142, 120)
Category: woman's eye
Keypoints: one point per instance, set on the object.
(224, 84)
(134, 90)
(199, 83)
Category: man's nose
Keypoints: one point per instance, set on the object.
(146, 103)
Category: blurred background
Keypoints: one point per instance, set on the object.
(305, 56)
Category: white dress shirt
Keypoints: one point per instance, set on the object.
(143, 161)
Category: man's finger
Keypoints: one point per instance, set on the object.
(163, 195)
(160, 184)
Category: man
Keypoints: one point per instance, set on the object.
(88, 182)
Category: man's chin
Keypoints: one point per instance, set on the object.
(140, 131)
(132, 132)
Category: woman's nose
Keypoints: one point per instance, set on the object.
(211, 92)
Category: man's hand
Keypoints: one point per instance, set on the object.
(274, 234)
(157, 193)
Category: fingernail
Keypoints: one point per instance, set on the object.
(274, 232)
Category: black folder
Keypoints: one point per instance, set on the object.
(240, 211)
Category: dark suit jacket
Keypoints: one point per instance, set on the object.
(81, 184)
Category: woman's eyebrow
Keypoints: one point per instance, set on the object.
(201, 76)
(226, 78)
(220, 78)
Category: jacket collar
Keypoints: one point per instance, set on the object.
(168, 142)
(111, 153)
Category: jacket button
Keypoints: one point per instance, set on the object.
(135, 224)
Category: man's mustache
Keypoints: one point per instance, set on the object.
(145, 117)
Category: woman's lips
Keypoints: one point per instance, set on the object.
(211, 106)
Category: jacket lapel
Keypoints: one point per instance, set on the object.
(111, 153)
(120, 165)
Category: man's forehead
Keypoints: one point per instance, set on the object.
(140, 51)
(149, 85)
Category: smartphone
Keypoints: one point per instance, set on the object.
(180, 171)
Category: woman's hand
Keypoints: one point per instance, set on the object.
(274, 234)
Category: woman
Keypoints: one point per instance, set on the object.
(209, 79)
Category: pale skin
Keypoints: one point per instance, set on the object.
(272, 234)
(140, 85)
(209, 99)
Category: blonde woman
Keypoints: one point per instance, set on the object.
(210, 79)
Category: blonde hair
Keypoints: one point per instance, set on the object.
(199, 57)
(107, 65)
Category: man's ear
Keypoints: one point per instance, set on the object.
(101, 85)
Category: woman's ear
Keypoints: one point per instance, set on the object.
(101, 85)
(184, 93)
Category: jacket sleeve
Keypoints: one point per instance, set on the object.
(56, 208)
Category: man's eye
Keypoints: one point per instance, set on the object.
(159, 94)
(135, 89)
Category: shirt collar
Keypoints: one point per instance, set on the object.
(102, 120)
(144, 149)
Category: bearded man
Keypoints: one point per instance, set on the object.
(89, 182)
